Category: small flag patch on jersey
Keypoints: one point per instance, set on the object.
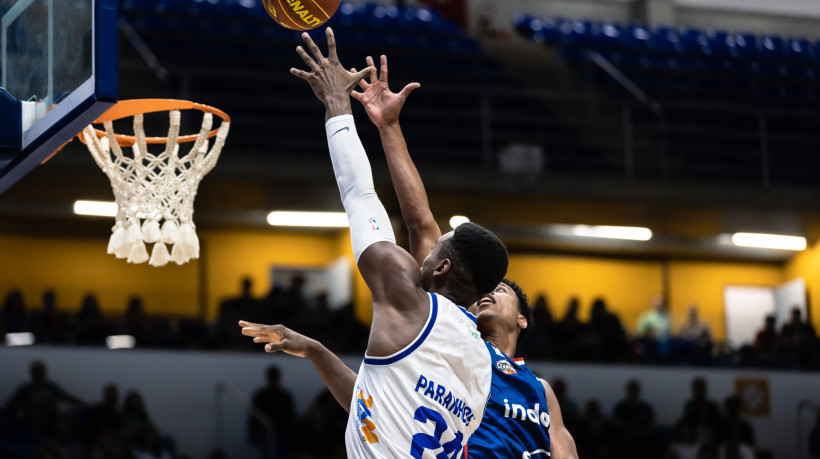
(505, 367)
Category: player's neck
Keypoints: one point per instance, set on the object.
(505, 342)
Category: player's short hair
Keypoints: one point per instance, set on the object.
(479, 259)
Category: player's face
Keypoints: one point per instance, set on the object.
(431, 262)
(501, 302)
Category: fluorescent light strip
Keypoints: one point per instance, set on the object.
(96, 208)
(19, 339)
(769, 241)
(613, 232)
(120, 342)
(456, 220)
(308, 219)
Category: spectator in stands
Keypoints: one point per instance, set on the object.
(135, 322)
(694, 330)
(15, 318)
(232, 310)
(609, 335)
(37, 403)
(91, 326)
(734, 447)
(797, 340)
(572, 336)
(135, 419)
(66, 441)
(276, 403)
(569, 409)
(50, 326)
(594, 435)
(732, 420)
(814, 439)
(105, 418)
(695, 339)
(654, 323)
(701, 413)
(150, 446)
(538, 343)
(765, 345)
(685, 446)
(634, 422)
(322, 428)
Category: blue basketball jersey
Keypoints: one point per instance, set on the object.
(516, 422)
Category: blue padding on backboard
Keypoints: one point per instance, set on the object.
(11, 132)
(107, 50)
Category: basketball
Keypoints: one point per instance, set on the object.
(301, 14)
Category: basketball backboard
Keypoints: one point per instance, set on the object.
(58, 72)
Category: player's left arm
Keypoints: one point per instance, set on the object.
(562, 445)
(383, 108)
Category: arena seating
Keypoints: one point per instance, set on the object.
(253, 53)
(684, 63)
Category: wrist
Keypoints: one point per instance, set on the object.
(313, 349)
(335, 106)
(389, 127)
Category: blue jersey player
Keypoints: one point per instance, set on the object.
(522, 417)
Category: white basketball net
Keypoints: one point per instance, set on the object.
(155, 188)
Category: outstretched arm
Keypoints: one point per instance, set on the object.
(562, 445)
(383, 108)
(400, 305)
(337, 376)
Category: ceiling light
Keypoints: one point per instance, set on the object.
(96, 208)
(769, 241)
(613, 232)
(456, 220)
(309, 219)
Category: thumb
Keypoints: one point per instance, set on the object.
(363, 73)
(407, 90)
(275, 347)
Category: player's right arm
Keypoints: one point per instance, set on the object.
(400, 305)
(383, 108)
(338, 377)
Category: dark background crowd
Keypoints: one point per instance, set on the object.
(601, 339)
(43, 420)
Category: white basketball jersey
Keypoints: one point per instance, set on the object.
(427, 399)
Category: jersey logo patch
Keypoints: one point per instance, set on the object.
(373, 225)
(363, 415)
(505, 367)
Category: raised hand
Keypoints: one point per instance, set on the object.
(329, 80)
(382, 105)
(279, 338)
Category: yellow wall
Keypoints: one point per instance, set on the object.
(76, 266)
(807, 265)
(626, 285)
(231, 256)
(702, 283)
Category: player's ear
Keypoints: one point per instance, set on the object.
(442, 268)
(522, 322)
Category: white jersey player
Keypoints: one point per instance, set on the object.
(424, 383)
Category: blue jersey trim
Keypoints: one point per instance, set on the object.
(415, 344)
(468, 314)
